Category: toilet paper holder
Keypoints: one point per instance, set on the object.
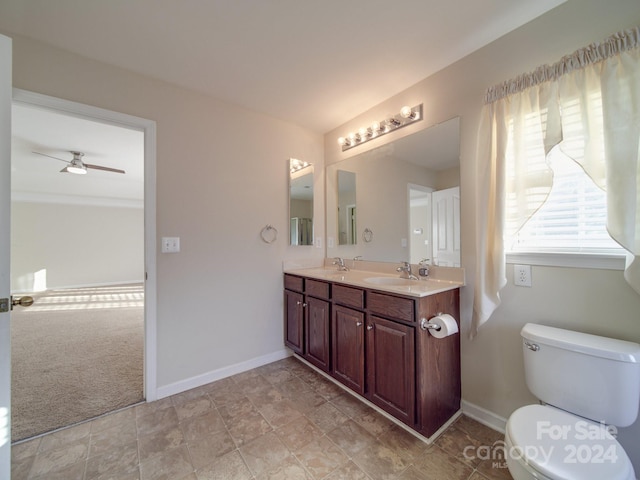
(425, 325)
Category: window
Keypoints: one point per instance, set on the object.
(574, 217)
(571, 221)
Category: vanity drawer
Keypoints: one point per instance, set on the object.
(317, 289)
(351, 297)
(391, 307)
(294, 283)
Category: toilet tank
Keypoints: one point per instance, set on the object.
(588, 375)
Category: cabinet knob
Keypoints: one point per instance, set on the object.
(358, 324)
(369, 327)
(300, 303)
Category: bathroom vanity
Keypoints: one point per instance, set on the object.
(365, 330)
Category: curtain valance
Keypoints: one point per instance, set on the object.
(594, 53)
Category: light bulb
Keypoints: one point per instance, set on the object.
(406, 112)
(342, 141)
(375, 127)
(364, 133)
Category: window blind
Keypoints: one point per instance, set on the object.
(573, 217)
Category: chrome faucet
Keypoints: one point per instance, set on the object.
(340, 263)
(406, 271)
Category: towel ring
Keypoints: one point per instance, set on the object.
(269, 234)
(367, 235)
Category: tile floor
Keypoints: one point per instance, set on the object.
(278, 421)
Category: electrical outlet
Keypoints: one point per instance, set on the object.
(522, 275)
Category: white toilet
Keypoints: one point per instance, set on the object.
(588, 385)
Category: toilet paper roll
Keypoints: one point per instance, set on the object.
(448, 325)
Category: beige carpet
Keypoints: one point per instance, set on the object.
(76, 354)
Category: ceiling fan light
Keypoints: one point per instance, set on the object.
(76, 170)
(76, 166)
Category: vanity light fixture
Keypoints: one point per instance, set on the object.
(407, 116)
(295, 165)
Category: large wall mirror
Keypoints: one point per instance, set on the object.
(300, 202)
(398, 202)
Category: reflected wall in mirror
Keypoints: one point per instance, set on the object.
(300, 202)
(398, 199)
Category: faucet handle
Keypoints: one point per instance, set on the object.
(405, 267)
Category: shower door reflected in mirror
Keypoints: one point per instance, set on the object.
(300, 202)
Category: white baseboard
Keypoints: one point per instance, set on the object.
(219, 374)
(484, 416)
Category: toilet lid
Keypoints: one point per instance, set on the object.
(565, 446)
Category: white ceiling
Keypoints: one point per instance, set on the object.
(38, 178)
(314, 63)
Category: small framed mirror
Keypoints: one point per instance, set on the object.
(347, 208)
(300, 202)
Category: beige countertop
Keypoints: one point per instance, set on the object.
(376, 280)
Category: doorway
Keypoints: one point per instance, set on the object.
(85, 215)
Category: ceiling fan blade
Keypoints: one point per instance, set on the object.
(55, 158)
(106, 169)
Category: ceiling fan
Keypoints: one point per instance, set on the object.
(77, 166)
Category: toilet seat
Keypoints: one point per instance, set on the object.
(547, 442)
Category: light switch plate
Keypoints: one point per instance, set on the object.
(170, 244)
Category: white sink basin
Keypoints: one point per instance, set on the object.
(389, 281)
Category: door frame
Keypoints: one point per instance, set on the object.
(148, 127)
(5, 241)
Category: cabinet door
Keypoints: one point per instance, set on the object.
(293, 319)
(316, 333)
(348, 347)
(391, 367)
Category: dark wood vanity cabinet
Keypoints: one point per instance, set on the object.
(438, 383)
(348, 347)
(391, 367)
(307, 319)
(317, 321)
(371, 342)
(294, 313)
(348, 324)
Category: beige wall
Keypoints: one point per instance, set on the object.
(75, 245)
(595, 301)
(221, 177)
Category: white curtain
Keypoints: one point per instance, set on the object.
(589, 104)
